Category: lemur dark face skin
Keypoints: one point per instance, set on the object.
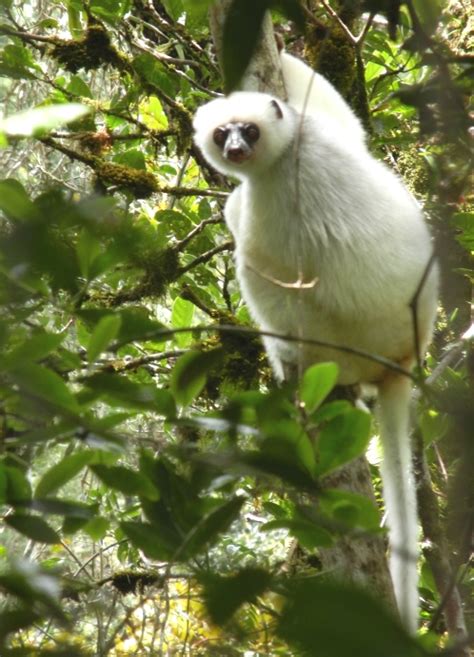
(236, 140)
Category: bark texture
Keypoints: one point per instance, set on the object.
(361, 561)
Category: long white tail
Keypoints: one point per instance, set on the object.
(400, 494)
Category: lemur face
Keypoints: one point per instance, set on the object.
(244, 134)
(236, 140)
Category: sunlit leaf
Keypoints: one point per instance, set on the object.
(181, 316)
(343, 439)
(42, 119)
(317, 382)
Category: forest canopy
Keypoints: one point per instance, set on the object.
(161, 494)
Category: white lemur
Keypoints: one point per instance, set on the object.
(315, 205)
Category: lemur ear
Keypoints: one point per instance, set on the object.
(277, 109)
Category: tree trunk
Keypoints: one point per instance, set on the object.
(263, 73)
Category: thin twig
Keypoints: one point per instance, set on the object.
(195, 231)
(204, 257)
(361, 38)
(342, 25)
(414, 308)
(247, 330)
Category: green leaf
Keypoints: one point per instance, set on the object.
(464, 222)
(97, 528)
(105, 331)
(189, 374)
(429, 12)
(109, 10)
(17, 62)
(78, 87)
(45, 384)
(145, 537)
(197, 8)
(174, 8)
(286, 440)
(317, 383)
(208, 529)
(154, 73)
(292, 10)
(3, 483)
(89, 252)
(343, 439)
(328, 619)
(308, 534)
(59, 507)
(33, 527)
(136, 323)
(224, 595)
(14, 201)
(126, 481)
(30, 583)
(12, 621)
(354, 511)
(18, 486)
(38, 121)
(132, 158)
(241, 33)
(62, 472)
(279, 464)
(32, 349)
(182, 316)
(126, 393)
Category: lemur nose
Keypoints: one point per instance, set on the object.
(236, 154)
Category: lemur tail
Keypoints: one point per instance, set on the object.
(400, 494)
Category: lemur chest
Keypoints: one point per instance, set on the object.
(274, 241)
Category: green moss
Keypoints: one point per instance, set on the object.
(90, 52)
(95, 142)
(182, 124)
(415, 171)
(141, 183)
(128, 581)
(332, 54)
(334, 57)
(162, 268)
(243, 366)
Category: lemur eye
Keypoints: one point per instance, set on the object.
(220, 136)
(252, 132)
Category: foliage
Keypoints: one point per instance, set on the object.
(152, 475)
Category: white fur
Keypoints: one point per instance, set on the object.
(314, 204)
(310, 93)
